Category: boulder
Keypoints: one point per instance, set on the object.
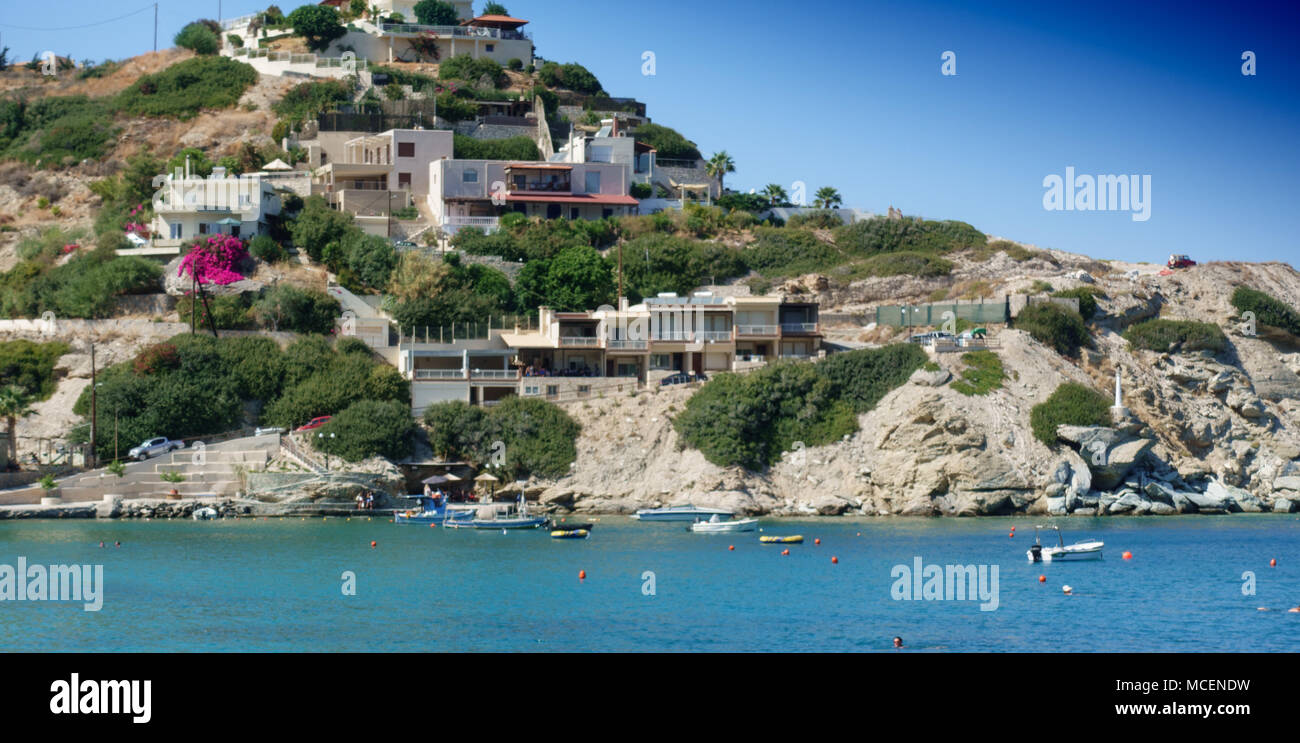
(1127, 502)
(1287, 482)
(1118, 461)
(1286, 505)
(1056, 506)
(1246, 403)
(930, 378)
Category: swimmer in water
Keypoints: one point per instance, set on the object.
(898, 643)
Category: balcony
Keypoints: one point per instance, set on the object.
(579, 342)
(625, 345)
(714, 336)
(756, 330)
(563, 187)
(494, 374)
(457, 32)
(799, 328)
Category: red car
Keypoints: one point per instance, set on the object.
(1180, 261)
(316, 423)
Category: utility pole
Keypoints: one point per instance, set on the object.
(155, 27)
(93, 404)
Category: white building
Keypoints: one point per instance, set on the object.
(190, 206)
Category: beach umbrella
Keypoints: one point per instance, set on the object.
(277, 164)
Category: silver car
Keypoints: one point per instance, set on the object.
(154, 447)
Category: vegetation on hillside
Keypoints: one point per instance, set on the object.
(1176, 336)
(1059, 328)
(30, 366)
(982, 375)
(1071, 404)
(521, 437)
(748, 420)
(1269, 311)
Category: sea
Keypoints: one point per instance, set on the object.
(1164, 584)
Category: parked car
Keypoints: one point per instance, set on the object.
(682, 378)
(315, 423)
(268, 431)
(1180, 261)
(154, 447)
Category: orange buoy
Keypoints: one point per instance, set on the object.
(835, 560)
(1127, 555)
(1012, 535)
(1272, 563)
(373, 543)
(432, 525)
(818, 540)
(731, 548)
(582, 575)
(1042, 579)
(785, 552)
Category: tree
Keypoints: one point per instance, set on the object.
(495, 9)
(318, 225)
(827, 198)
(578, 279)
(718, 166)
(199, 38)
(318, 24)
(15, 403)
(775, 194)
(436, 13)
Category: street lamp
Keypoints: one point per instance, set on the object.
(321, 436)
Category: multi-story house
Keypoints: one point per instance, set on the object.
(370, 175)
(609, 145)
(574, 354)
(189, 206)
(475, 193)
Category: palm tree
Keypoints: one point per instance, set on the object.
(827, 198)
(775, 194)
(15, 403)
(718, 166)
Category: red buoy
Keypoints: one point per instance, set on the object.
(582, 575)
(1042, 579)
(785, 552)
(1012, 535)
(835, 560)
(1127, 555)
(818, 540)
(1272, 563)
(731, 547)
(373, 543)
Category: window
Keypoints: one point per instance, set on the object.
(552, 390)
(403, 180)
(406, 149)
(203, 228)
(553, 211)
(661, 361)
(606, 213)
(491, 48)
(593, 181)
(575, 213)
(324, 158)
(470, 175)
(178, 232)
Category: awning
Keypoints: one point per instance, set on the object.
(229, 222)
(487, 477)
(435, 480)
(585, 198)
(277, 164)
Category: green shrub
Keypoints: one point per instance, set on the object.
(786, 251)
(982, 375)
(748, 420)
(229, 312)
(903, 264)
(198, 38)
(1268, 310)
(1057, 327)
(286, 307)
(1071, 404)
(525, 436)
(515, 64)
(185, 88)
(317, 24)
(826, 219)
(306, 100)
(30, 366)
(435, 13)
(572, 76)
(641, 191)
(368, 428)
(1087, 296)
(1175, 336)
(265, 248)
(465, 67)
(668, 142)
(512, 148)
(884, 235)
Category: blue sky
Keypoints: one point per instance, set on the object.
(851, 95)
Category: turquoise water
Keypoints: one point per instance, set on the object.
(255, 585)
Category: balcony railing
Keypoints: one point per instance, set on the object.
(626, 345)
(427, 374)
(579, 342)
(542, 187)
(798, 327)
(714, 336)
(494, 374)
(673, 336)
(755, 330)
(459, 32)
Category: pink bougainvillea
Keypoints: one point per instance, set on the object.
(214, 261)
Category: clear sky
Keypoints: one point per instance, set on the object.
(851, 94)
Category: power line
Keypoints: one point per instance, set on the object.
(87, 25)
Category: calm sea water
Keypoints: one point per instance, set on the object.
(254, 585)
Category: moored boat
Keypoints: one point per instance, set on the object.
(680, 513)
(431, 511)
(492, 516)
(795, 539)
(716, 526)
(1089, 549)
(570, 534)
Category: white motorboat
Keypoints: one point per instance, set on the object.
(1089, 549)
(681, 513)
(206, 513)
(716, 526)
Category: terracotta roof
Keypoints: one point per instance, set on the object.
(494, 20)
(538, 166)
(577, 198)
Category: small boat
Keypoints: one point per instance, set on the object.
(680, 513)
(430, 512)
(206, 513)
(1086, 550)
(717, 526)
(570, 534)
(795, 539)
(502, 516)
